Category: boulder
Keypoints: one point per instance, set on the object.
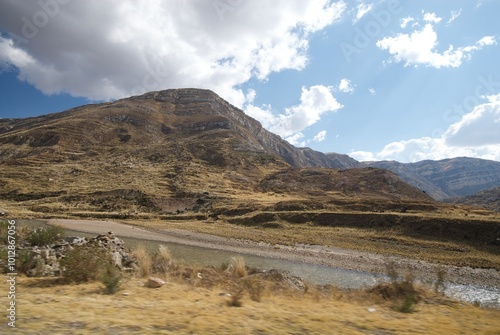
(155, 282)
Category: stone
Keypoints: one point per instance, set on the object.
(155, 282)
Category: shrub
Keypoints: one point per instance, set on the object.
(400, 290)
(255, 288)
(84, 263)
(163, 260)
(235, 299)
(144, 262)
(238, 267)
(45, 236)
(439, 284)
(111, 278)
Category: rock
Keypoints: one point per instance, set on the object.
(155, 282)
(117, 259)
(75, 240)
(46, 258)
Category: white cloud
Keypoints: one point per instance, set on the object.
(431, 17)
(346, 86)
(454, 15)
(481, 127)
(404, 21)
(486, 40)
(361, 11)
(320, 137)
(123, 47)
(419, 48)
(475, 135)
(372, 91)
(315, 101)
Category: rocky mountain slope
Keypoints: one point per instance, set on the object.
(164, 152)
(447, 178)
(489, 199)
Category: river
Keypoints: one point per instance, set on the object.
(312, 273)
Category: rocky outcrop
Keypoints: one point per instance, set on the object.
(44, 261)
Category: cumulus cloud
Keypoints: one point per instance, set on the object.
(475, 135)
(346, 86)
(320, 137)
(419, 48)
(372, 91)
(361, 10)
(315, 101)
(431, 17)
(404, 21)
(127, 47)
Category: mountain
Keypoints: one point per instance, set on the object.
(489, 199)
(157, 114)
(163, 152)
(446, 178)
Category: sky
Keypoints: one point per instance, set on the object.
(403, 80)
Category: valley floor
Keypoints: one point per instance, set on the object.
(316, 254)
(198, 304)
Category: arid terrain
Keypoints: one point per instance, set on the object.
(185, 162)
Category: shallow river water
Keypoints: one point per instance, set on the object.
(312, 273)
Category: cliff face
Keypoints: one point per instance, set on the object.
(254, 135)
(447, 178)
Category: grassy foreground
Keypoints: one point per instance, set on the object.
(188, 307)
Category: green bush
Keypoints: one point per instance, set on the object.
(111, 278)
(45, 236)
(84, 263)
(400, 290)
(439, 284)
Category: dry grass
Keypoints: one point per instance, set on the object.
(144, 262)
(182, 309)
(238, 267)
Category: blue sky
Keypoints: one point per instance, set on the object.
(402, 80)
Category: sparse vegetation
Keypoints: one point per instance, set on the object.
(235, 297)
(144, 262)
(84, 263)
(400, 290)
(111, 278)
(163, 260)
(238, 267)
(45, 235)
(255, 288)
(439, 284)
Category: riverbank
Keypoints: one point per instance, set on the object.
(314, 254)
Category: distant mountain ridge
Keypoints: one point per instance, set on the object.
(489, 199)
(447, 178)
